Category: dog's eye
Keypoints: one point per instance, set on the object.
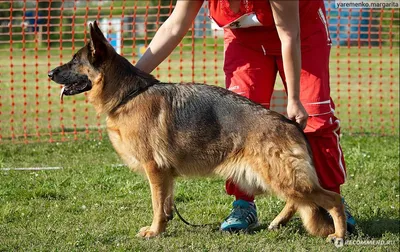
(74, 59)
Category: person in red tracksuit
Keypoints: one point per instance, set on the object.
(261, 39)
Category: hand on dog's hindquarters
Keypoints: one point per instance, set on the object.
(296, 112)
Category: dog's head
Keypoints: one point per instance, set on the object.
(77, 75)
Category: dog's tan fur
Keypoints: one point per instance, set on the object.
(260, 160)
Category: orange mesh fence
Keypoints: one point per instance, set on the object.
(36, 36)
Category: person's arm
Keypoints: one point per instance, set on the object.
(170, 34)
(287, 21)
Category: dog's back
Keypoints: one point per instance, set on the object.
(194, 129)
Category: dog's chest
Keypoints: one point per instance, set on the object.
(122, 146)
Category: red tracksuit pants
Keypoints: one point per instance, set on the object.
(251, 66)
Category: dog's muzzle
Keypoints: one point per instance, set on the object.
(72, 83)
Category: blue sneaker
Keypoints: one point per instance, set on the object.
(242, 218)
(350, 221)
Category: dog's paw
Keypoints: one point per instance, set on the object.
(337, 241)
(146, 232)
(273, 226)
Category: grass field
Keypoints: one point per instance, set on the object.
(93, 205)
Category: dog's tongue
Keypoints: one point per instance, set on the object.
(62, 93)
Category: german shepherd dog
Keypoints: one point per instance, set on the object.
(167, 130)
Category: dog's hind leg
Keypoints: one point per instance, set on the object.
(316, 220)
(161, 185)
(331, 202)
(284, 216)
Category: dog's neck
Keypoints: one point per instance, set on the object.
(108, 98)
(129, 96)
(95, 94)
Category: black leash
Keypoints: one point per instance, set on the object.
(190, 224)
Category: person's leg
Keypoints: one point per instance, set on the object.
(323, 128)
(323, 135)
(250, 73)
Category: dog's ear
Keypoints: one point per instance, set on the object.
(98, 43)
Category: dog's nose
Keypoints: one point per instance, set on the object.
(50, 74)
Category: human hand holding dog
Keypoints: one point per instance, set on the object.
(297, 112)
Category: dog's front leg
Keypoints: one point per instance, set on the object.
(161, 184)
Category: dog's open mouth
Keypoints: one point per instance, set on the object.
(75, 88)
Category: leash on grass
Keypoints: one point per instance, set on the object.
(180, 216)
(188, 223)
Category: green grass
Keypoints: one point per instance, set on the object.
(91, 205)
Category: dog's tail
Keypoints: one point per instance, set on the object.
(316, 220)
